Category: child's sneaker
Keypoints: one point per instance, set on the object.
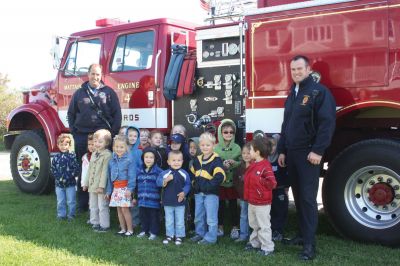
(235, 233)
(196, 238)
(152, 236)
(95, 226)
(239, 240)
(167, 240)
(276, 236)
(178, 241)
(101, 230)
(249, 247)
(128, 234)
(141, 234)
(220, 232)
(204, 242)
(265, 253)
(120, 233)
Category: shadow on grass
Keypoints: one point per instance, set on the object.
(324, 226)
(32, 218)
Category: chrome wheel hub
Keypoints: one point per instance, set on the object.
(372, 196)
(28, 164)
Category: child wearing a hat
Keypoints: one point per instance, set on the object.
(177, 143)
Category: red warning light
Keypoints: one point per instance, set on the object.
(106, 22)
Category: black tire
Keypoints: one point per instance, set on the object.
(354, 210)
(30, 163)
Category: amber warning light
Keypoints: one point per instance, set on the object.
(106, 22)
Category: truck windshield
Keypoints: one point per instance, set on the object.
(133, 52)
(81, 55)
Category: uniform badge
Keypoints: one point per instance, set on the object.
(305, 99)
(102, 94)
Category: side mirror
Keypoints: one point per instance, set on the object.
(55, 52)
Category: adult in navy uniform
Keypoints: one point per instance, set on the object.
(93, 106)
(307, 129)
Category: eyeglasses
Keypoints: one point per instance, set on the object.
(228, 132)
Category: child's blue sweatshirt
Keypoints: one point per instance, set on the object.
(135, 153)
(180, 182)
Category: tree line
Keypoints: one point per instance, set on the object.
(9, 99)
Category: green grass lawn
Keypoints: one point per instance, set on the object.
(30, 235)
(2, 147)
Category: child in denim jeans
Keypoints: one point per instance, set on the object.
(64, 168)
(176, 184)
(238, 182)
(208, 174)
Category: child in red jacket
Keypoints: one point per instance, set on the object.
(259, 182)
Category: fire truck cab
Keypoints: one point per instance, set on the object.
(134, 58)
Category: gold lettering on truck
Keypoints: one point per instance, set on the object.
(72, 86)
(128, 85)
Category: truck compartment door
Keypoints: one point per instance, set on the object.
(347, 44)
(132, 69)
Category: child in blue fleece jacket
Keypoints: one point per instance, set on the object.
(149, 195)
(176, 184)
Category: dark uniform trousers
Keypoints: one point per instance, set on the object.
(279, 209)
(304, 178)
(80, 140)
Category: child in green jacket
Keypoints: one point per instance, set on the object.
(230, 153)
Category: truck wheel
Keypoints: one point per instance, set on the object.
(361, 192)
(30, 162)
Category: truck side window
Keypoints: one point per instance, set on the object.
(133, 52)
(81, 55)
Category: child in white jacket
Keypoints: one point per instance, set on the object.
(86, 159)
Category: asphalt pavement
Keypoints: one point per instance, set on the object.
(5, 172)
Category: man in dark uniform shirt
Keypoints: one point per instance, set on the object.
(307, 129)
(93, 106)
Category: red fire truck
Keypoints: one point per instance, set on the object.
(243, 73)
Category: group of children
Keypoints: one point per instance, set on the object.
(141, 176)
